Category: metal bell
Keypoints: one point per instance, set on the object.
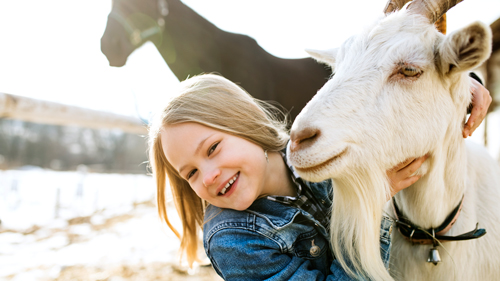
(434, 256)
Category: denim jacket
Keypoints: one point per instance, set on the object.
(273, 241)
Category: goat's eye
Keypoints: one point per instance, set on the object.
(410, 71)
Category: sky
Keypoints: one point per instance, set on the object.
(50, 49)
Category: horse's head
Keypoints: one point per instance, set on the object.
(397, 90)
(130, 24)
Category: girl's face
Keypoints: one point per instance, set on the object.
(225, 170)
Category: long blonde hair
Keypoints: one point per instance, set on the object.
(216, 102)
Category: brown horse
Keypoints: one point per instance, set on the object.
(191, 45)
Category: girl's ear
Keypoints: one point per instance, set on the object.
(326, 56)
(464, 49)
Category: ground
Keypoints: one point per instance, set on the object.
(128, 246)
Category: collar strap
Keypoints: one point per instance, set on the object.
(417, 235)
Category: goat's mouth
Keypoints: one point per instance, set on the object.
(321, 166)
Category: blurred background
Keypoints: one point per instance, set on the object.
(76, 200)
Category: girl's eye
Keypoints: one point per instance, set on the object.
(410, 71)
(191, 173)
(212, 148)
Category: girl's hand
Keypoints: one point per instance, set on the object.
(400, 176)
(481, 100)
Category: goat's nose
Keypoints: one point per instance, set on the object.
(303, 138)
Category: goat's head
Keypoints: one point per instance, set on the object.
(396, 90)
(399, 90)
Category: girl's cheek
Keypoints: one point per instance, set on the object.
(195, 189)
(201, 191)
(199, 194)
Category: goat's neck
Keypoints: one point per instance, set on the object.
(432, 198)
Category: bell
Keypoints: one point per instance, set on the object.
(434, 256)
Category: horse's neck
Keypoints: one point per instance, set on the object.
(433, 197)
(192, 45)
(189, 42)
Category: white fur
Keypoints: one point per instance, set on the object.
(379, 118)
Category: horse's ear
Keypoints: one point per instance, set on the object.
(464, 49)
(326, 56)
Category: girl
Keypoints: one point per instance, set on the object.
(223, 154)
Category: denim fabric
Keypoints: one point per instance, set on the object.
(273, 241)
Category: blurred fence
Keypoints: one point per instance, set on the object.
(39, 111)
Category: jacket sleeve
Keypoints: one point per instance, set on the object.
(241, 254)
(385, 240)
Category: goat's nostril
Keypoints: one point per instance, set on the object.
(303, 138)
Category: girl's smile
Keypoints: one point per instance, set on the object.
(229, 186)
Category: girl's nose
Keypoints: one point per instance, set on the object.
(211, 177)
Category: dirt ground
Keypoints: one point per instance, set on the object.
(138, 272)
(131, 245)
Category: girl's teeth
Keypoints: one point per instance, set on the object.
(223, 191)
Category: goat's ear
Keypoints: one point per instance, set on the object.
(326, 56)
(464, 49)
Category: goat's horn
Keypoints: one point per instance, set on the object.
(394, 5)
(441, 24)
(432, 9)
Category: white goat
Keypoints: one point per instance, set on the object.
(399, 90)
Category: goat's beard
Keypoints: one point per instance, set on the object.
(358, 200)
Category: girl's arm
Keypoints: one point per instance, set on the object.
(401, 176)
(241, 254)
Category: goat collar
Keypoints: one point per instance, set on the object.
(417, 235)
